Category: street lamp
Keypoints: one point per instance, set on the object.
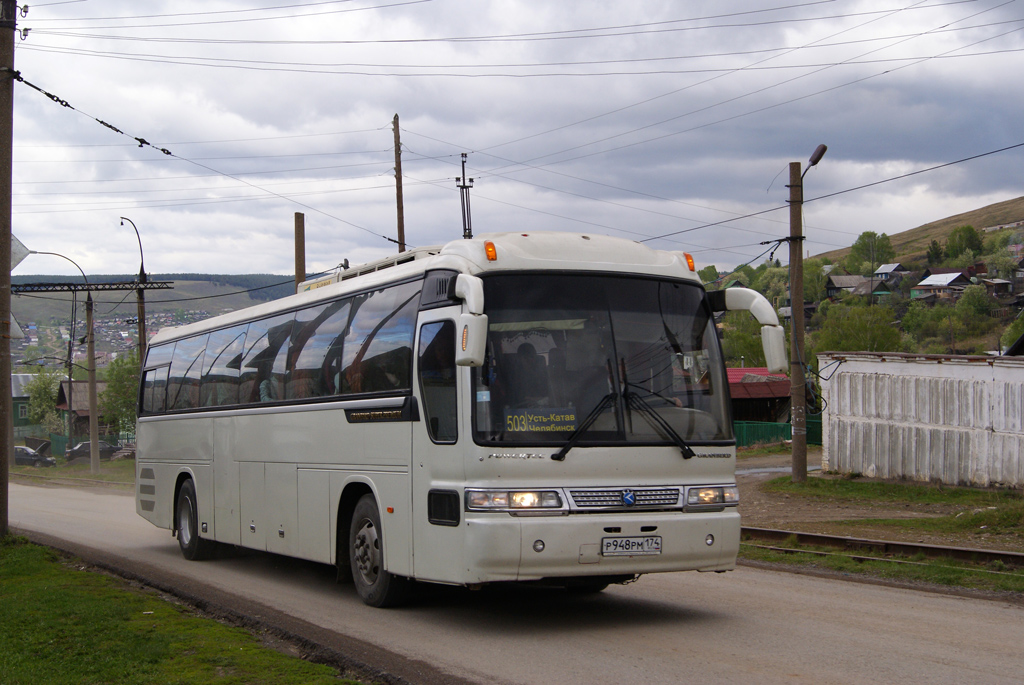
(140, 295)
(798, 389)
(94, 447)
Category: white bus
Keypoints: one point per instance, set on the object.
(545, 407)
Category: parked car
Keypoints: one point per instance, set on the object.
(82, 450)
(26, 456)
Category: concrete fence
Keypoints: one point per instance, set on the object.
(954, 419)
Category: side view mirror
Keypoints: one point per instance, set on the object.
(471, 340)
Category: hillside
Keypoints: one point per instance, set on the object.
(913, 244)
(212, 293)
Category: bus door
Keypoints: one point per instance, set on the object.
(437, 463)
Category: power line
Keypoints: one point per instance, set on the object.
(145, 143)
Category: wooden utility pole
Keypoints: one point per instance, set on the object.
(300, 249)
(798, 396)
(398, 186)
(8, 24)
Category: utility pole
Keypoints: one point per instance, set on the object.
(94, 420)
(464, 184)
(398, 186)
(797, 388)
(8, 25)
(300, 249)
(798, 384)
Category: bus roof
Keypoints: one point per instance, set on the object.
(540, 250)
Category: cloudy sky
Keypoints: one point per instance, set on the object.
(667, 122)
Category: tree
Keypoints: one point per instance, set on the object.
(773, 283)
(858, 329)
(872, 248)
(935, 253)
(741, 339)
(1013, 331)
(974, 302)
(963, 238)
(708, 275)
(120, 398)
(42, 400)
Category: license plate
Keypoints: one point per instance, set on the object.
(646, 544)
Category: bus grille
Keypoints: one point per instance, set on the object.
(645, 497)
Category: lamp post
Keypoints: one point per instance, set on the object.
(798, 389)
(140, 295)
(94, 446)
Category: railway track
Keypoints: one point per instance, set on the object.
(877, 548)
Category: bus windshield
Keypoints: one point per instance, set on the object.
(630, 354)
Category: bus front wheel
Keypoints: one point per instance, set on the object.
(193, 547)
(376, 587)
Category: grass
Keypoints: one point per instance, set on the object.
(763, 449)
(60, 624)
(992, 577)
(854, 490)
(119, 471)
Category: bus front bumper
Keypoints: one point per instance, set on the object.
(501, 547)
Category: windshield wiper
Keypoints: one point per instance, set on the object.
(655, 419)
(605, 402)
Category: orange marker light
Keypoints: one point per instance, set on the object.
(491, 251)
(689, 261)
(391, 510)
(465, 338)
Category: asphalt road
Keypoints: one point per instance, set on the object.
(749, 625)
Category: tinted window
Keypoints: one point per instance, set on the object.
(154, 391)
(186, 371)
(437, 380)
(377, 354)
(315, 354)
(264, 362)
(221, 364)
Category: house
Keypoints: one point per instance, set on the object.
(837, 284)
(997, 287)
(758, 395)
(878, 290)
(75, 398)
(945, 285)
(19, 399)
(889, 271)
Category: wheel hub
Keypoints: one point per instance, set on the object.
(366, 550)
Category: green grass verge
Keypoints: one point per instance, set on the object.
(994, 577)
(63, 625)
(120, 471)
(974, 510)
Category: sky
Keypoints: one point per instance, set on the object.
(670, 123)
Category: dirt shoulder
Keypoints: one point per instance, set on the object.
(763, 509)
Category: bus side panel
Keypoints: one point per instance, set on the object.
(282, 508)
(314, 516)
(227, 509)
(251, 496)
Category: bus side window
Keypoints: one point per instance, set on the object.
(154, 381)
(377, 353)
(220, 367)
(186, 371)
(316, 340)
(437, 380)
(262, 373)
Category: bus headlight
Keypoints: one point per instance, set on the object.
(711, 496)
(504, 500)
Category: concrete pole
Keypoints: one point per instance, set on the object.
(300, 249)
(798, 396)
(8, 24)
(94, 419)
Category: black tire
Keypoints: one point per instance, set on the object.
(376, 587)
(37, 463)
(193, 547)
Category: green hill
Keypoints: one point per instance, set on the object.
(912, 245)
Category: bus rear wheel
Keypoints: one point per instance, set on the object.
(193, 547)
(376, 587)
